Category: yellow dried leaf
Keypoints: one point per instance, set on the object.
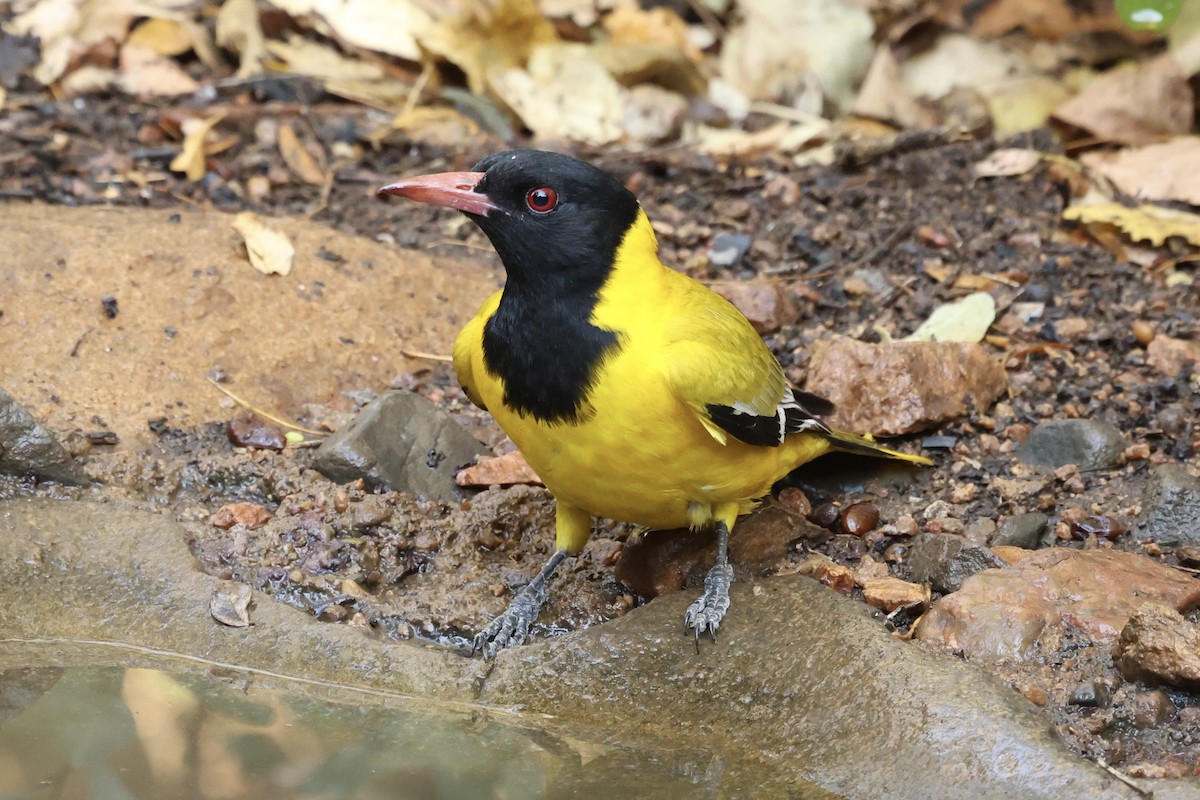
(166, 37)
(190, 160)
(964, 320)
(239, 30)
(297, 157)
(270, 251)
(482, 46)
(1146, 222)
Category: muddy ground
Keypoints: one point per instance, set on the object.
(851, 251)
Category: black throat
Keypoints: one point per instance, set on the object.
(547, 352)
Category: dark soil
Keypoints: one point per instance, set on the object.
(920, 219)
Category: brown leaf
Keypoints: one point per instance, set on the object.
(230, 604)
(299, 160)
(506, 470)
(190, 160)
(1134, 103)
(1165, 171)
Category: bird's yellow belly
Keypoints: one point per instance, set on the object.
(642, 456)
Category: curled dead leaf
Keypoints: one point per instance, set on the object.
(299, 160)
(269, 250)
(190, 160)
(1146, 222)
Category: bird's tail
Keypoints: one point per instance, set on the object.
(866, 446)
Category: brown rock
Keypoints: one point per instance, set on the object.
(1015, 612)
(1152, 708)
(244, 515)
(822, 570)
(889, 594)
(1170, 356)
(902, 387)
(1159, 646)
(506, 470)
(1010, 554)
(763, 304)
(666, 561)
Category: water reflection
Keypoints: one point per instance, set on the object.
(119, 734)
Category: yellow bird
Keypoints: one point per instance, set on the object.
(637, 393)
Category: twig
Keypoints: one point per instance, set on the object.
(418, 87)
(265, 415)
(75, 349)
(428, 356)
(1123, 778)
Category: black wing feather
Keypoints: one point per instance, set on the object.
(796, 412)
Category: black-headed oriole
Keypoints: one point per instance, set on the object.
(634, 391)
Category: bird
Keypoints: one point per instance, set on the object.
(635, 392)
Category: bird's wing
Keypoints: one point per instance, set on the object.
(468, 350)
(719, 367)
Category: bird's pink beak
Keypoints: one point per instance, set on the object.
(449, 189)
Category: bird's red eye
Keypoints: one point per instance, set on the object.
(541, 200)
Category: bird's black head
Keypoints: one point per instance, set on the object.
(555, 221)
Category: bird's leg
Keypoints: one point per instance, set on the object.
(707, 612)
(512, 627)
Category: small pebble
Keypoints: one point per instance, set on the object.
(1143, 331)
(728, 249)
(826, 515)
(1101, 526)
(109, 304)
(1152, 708)
(859, 518)
(1090, 694)
(963, 493)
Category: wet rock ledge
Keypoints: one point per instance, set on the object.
(803, 686)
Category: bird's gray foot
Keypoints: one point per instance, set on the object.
(512, 627)
(705, 615)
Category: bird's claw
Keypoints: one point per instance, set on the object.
(705, 615)
(512, 627)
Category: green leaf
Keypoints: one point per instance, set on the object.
(1148, 15)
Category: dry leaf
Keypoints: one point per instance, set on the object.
(964, 320)
(885, 95)
(1154, 224)
(230, 604)
(145, 73)
(433, 125)
(485, 46)
(166, 37)
(1167, 171)
(304, 57)
(296, 156)
(1007, 162)
(564, 94)
(629, 24)
(270, 251)
(960, 62)
(783, 45)
(239, 29)
(384, 26)
(1042, 19)
(506, 470)
(190, 160)
(1134, 103)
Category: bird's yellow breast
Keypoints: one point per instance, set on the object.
(638, 453)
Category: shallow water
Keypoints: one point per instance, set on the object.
(117, 733)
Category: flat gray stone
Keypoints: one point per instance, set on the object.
(401, 440)
(1172, 507)
(804, 686)
(26, 448)
(944, 560)
(1021, 530)
(1088, 443)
